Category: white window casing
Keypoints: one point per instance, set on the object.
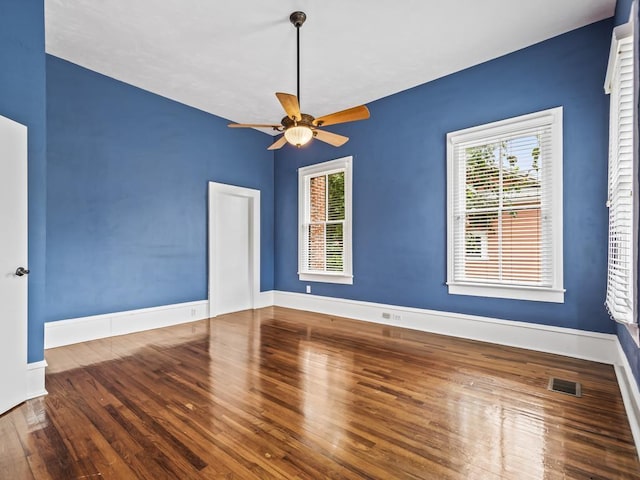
(504, 209)
(621, 84)
(325, 223)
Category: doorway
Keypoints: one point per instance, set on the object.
(234, 248)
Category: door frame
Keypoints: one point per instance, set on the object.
(254, 238)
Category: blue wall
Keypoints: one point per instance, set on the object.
(127, 194)
(621, 15)
(22, 98)
(399, 197)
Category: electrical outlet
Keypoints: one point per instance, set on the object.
(193, 312)
(308, 288)
(397, 317)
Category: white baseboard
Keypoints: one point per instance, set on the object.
(599, 347)
(76, 330)
(630, 394)
(35, 379)
(265, 299)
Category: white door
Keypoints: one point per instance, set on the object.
(13, 254)
(234, 248)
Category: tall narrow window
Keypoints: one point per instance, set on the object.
(325, 222)
(505, 209)
(621, 270)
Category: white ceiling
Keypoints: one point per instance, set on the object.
(230, 57)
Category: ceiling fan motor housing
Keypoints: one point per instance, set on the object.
(306, 120)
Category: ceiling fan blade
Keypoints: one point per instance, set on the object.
(331, 138)
(290, 104)
(278, 143)
(252, 125)
(343, 116)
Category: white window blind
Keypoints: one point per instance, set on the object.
(621, 265)
(504, 220)
(325, 226)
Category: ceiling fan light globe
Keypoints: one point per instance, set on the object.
(298, 135)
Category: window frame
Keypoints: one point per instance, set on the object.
(344, 164)
(491, 132)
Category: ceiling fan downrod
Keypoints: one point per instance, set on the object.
(298, 19)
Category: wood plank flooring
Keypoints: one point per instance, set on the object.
(284, 394)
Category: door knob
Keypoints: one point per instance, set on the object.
(20, 271)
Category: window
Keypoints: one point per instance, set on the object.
(324, 212)
(504, 209)
(621, 265)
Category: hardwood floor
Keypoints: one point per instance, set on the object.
(279, 393)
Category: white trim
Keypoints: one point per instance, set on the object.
(76, 330)
(265, 299)
(254, 231)
(557, 203)
(489, 132)
(619, 33)
(326, 278)
(519, 292)
(575, 343)
(630, 393)
(598, 347)
(326, 168)
(35, 379)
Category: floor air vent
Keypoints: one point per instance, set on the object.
(565, 386)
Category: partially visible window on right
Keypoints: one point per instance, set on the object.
(621, 264)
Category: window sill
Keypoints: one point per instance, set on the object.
(326, 278)
(535, 294)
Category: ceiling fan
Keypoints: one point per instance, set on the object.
(299, 128)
